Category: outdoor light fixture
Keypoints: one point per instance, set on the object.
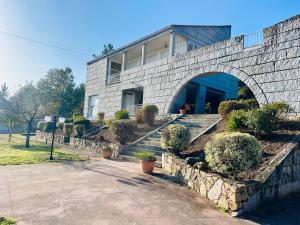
(53, 136)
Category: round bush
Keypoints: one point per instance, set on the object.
(139, 116)
(122, 114)
(123, 130)
(78, 130)
(226, 107)
(261, 121)
(251, 103)
(59, 125)
(67, 129)
(100, 117)
(45, 126)
(149, 113)
(174, 137)
(81, 120)
(231, 153)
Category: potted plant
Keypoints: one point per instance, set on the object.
(147, 160)
(107, 151)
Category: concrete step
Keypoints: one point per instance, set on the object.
(152, 143)
(143, 147)
(131, 152)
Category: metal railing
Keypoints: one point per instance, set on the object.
(114, 76)
(253, 39)
(132, 109)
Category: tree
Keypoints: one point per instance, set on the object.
(78, 98)
(106, 50)
(10, 120)
(57, 89)
(26, 105)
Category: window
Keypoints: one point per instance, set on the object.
(93, 107)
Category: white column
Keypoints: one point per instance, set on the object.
(172, 44)
(143, 61)
(124, 59)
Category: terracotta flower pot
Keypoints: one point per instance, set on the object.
(182, 111)
(107, 154)
(147, 166)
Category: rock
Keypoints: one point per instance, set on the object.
(192, 160)
(200, 165)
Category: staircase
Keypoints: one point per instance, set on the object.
(197, 124)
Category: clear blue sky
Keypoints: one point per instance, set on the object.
(86, 25)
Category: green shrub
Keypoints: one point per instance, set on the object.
(59, 125)
(68, 120)
(251, 103)
(67, 129)
(78, 130)
(279, 109)
(245, 92)
(107, 148)
(100, 117)
(174, 137)
(149, 113)
(261, 121)
(237, 120)
(145, 156)
(109, 122)
(226, 107)
(45, 126)
(81, 120)
(76, 115)
(123, 130)
(232, 153)
(122, 114)
(139, 116)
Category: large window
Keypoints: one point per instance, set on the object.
(93, 107)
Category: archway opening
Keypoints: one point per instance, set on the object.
(204, 93)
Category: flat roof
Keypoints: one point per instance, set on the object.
(143, 39)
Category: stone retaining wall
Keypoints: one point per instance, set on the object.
(78, 143)
(279, 179)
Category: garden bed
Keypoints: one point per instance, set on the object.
(271, 146)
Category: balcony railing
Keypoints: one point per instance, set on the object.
(114, 76)
(132, 109)
(254, 39)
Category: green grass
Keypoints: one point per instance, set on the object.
(15, 153)
(7, 221)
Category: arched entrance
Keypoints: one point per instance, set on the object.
(207, 71)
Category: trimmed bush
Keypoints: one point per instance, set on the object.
(81, 120)
(100, 117)
(237, 120)
(174, 137)
(78, 130)
(67, 129)
(59, 125)
(139, 116)
(123, 130)
(231, 153)
(261, 121)
(145, 156)
(109, 122)
(68, 120)
(122, 114)
(279, 109)
(45, 126)
(149, 114)
(251, 103)
(226, 107)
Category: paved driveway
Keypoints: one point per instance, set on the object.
(99, 192)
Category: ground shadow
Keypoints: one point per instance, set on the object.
(281, 212)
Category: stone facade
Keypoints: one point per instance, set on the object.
(271, 70)
(279, 179)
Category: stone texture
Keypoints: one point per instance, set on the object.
(279, 179)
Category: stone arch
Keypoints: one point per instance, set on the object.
(212, 69)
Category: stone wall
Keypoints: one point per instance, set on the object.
(78, 143)
(279, 179)
(47, 137)
(271, 71)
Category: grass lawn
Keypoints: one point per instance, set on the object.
(7, 221)
(14, 153)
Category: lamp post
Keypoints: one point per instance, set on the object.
(53, 136)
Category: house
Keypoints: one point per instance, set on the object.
(137, 73)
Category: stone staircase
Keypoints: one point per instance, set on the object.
(197, 123)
